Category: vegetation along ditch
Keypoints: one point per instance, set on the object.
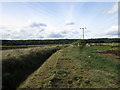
(17, 67)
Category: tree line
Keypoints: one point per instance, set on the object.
(37, 42)
(58, 41)
(103, 40)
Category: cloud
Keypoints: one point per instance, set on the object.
(36, 31)
(113, 31)
(5, 33)
(34, 24)
(113, 10)
(69, 23)
(65, 32)
(56, 35)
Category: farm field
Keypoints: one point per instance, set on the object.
(73, 67)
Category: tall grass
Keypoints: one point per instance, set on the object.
(18, 64)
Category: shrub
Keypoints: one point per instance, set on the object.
(81, 43)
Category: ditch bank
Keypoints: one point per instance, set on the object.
(16, 70)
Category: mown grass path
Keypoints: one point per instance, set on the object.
(73, 67)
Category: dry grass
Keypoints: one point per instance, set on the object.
(6, 54)
(19, 63)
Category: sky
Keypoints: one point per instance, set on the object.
(58, 20)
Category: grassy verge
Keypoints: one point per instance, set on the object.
(17, 67)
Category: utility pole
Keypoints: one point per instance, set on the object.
(83, 31)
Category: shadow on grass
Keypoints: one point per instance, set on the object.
(16, 70)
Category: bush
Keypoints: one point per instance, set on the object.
(81, 43)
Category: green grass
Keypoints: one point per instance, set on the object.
(102, 64)
(96, 65)
(99, 62)
(93, 61)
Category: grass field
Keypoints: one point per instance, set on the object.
(74, 67)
